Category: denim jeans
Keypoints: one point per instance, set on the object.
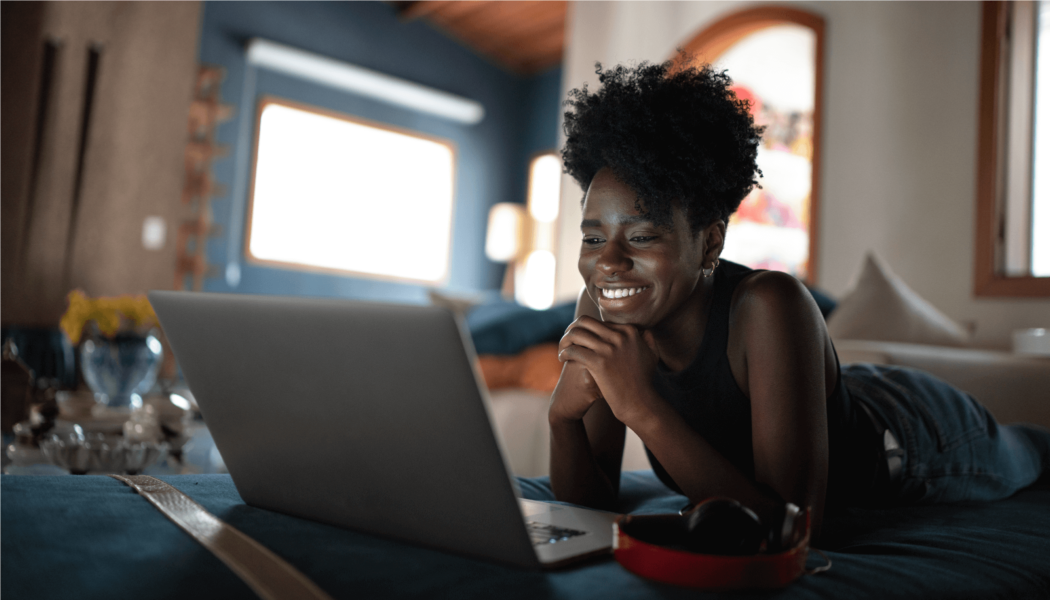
(954, 450)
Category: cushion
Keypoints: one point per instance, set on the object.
(537, 368)
(882, 307)
(506, 328)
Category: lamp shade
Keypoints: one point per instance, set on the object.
(505, 232)
(535, 283)
(545, 188)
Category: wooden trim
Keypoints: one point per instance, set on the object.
(252, 259)
(813, 262)
(719, 36)
(988, 280)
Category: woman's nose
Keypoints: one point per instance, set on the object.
(613, 260)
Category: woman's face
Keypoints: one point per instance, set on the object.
(636, 272)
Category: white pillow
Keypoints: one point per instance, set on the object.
(882, 307)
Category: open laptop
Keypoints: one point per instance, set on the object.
(368, 416)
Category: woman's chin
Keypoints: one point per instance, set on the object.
(624, 317)
(635, 309)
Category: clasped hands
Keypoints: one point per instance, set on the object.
(604, 360)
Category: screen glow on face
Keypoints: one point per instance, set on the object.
(336, 194)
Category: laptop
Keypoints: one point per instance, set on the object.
(368, 416)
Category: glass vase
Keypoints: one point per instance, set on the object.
(119, 369)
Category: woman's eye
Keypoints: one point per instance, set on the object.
(642, 239)
(591, 241)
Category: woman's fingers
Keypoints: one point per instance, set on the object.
(613, 333)
(579, 336)
(590, 322)
(584, 356)
(605, 331)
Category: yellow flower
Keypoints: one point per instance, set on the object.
(107, 312)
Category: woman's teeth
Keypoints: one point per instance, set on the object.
(622, 292)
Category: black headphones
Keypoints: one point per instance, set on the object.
(725, 526)
(722, 526)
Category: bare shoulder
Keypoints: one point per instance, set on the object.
(773, 313)
(772, 294)
(775, 324)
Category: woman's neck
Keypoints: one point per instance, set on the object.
(680, 335)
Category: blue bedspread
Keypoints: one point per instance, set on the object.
(93, 537)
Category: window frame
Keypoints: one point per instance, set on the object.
(989, 279)
(250, 258)
(719, 36)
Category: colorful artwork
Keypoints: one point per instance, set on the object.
(771, 228)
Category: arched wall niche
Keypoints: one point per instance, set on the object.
(717, 38)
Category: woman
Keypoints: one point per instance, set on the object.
(727, 374)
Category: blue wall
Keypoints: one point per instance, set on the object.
(542, 105)
(521, 116)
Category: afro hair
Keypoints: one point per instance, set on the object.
(677, 136)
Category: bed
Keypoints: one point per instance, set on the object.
(92, 537)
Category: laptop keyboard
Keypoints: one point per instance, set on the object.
(543, 533)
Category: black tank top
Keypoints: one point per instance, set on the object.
(708, 398)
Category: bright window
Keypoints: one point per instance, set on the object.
(334, 193)
(1012, 256)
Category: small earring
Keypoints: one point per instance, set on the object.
(710, 270)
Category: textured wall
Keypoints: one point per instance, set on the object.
(132, 159)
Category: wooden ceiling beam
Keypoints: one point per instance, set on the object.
(527, 39)
(521, 34)
(544, 51)
(492, 17)
(520, 41)
(524, 36)
(450, 11)
(525, 31)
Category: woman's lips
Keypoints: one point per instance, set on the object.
(622, 292)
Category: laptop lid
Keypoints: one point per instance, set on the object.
(358, 414)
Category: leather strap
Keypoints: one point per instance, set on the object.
(267, 574)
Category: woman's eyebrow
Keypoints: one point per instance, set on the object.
(625, 220)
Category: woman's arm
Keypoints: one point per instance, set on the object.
(586, 439)
(788, 373)
(781, 366)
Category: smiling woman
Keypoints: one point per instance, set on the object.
(637, 272)
(727, 374)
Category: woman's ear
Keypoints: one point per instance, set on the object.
(714, 239)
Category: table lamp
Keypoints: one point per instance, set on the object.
(524, 237)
